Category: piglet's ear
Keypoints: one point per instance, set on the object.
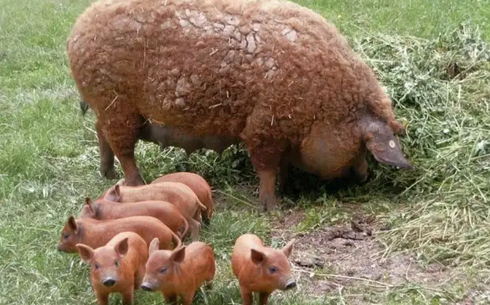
(257, 257)
(288, 248)
(86, 252)
(122, 247)
(88, 204)
(178, 255)
(72, 224)
(154, 245)
(114, 193)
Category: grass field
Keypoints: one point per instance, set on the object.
(431, 240)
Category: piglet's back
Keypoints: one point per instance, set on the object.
(201, 260)
(97, 233)
(138, 249)
(240, 257)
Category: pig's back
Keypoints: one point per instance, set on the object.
(146, 227)
(201, 261)
(138, 250)
(164, 211)
(241, 251)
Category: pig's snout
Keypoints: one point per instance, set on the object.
(290, 284)
(147, 286)
(109, 282)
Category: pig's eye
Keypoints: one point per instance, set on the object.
(96, 266)
(163, 270)
(272, 269)
(66, 236)
(116, 263)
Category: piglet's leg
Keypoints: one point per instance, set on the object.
(264, 298)
(247, 297)
(128, 296)
(170, 299)
(121, 131)
(102, 298)
(106, 155)
(195, 227)
(187, 299)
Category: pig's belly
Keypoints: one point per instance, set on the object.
(324, 160)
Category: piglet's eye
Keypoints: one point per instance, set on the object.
(66, 236)
(117, 263)
(96, 266)
(272, 269)
(163, 270)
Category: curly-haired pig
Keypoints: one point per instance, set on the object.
(162, 210)
(179, 273)
(176, 193)
(232, 69)
(260, 269)
(96, 233)
(198, 185)
(117, 267)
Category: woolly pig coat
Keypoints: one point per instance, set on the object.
(265, 71)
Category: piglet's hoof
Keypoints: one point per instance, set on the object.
(109, 173)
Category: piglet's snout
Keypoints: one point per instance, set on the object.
(290, 284)
(147, 286)
(109, 282)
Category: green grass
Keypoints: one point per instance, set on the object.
(438, 213)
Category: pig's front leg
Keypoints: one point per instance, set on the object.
(267, 188)
(187, 299)
(102, 298)
(128, 296)
(247, 297)
(264, 298)
(170, 299)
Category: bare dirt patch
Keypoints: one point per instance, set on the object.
(350, 256)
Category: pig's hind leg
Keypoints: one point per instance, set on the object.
(195, 227)
(122, 135)
(106, 155)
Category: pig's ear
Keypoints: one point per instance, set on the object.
(114, 193)
(386, 149)
(88, 203)
(380, 139)
(154, 245)
(288, 248)
(178, 255)
(72, 224)
(257, 257)
(85, 252)
(122, 247)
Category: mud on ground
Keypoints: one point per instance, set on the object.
(350, 256)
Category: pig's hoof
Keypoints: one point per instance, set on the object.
(109, 173)
(269, 202)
